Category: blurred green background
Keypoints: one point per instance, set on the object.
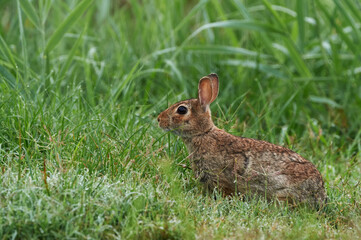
(81, 84)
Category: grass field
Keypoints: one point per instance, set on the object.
(81, 85)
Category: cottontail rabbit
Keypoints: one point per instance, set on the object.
(238, 165)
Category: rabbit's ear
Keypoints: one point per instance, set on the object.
(215, 85)
(207, 90)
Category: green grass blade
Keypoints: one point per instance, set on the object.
(276, 16)
(30, 12)
(23, 79)
(255, 65)
(346, 39)
(189, 16)
(222, 15)
(324, 100)
(242, 9)
(301, 23)
(123, 83)
(5, 50)
(9, 78)
(349, 20)
(290, 45)
(219, 49)
(71, 54)
(297, 58)
(238, 24)
(353, 9)
(67, 24)
(234, 24)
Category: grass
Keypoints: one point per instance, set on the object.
(82, 82)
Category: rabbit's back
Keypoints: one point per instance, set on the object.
(248, 166)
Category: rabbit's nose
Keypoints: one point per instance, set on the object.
(158, 119)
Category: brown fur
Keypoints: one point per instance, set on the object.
(236, 164)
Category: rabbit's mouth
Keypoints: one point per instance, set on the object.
(174, 131)
(171, 130)
(164, 128)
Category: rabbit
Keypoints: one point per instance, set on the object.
(239, 165)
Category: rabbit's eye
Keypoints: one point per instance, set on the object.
(182, 110)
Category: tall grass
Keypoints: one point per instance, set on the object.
(81, 83)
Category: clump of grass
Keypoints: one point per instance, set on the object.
(82, 82)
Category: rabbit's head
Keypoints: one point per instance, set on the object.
(192, 117)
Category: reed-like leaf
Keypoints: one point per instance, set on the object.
(30, 12)
(69, 21)
(348, 18)
(219, 49)
(256, 66)
(124, 81)
(301, 23)
(289, 44)
(345, 38)
(8, 77)
(5, 50)
(239, 24)
(324, 100)
(71, 55)
(353, 8)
